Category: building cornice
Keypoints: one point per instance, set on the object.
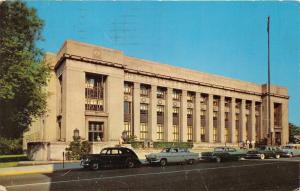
(166, 77)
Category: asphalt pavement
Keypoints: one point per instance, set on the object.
(243, 175)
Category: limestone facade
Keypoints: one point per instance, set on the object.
(101, 92)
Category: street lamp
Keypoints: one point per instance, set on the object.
(76, 133)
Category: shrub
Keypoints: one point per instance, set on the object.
(10, 146)
(77, 148)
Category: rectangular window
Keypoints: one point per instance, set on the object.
(202, 134)
(190, 133)
(128, 88)
(143, 131)
(175, 133)
(214, 134)
(160, 114)
(160, 132)
(190, 96)
(203, 120)
(144, 112)
(227, 135)
(161, 92)
(176, 95)
(145, 90)
(96, 130)
(237, 126)
(94, 92)
(215, 119)
(127, 128)
(175, 115)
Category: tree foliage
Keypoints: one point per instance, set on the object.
(293, 130)
(23, 75)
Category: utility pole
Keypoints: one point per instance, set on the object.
(269, 84)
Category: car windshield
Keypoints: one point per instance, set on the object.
(104, 151)
(165, 150)
(219, 149)
(287, 147)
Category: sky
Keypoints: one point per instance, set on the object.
(223, 38)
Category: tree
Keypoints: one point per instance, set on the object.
(23, 74)
(293, 130)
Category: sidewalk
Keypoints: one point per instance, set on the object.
(40, 168)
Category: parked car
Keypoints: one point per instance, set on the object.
(291, 150)
(111, 157)
(265, 152)
(172, 155)
(223, 154)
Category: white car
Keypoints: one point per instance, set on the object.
(173, 155)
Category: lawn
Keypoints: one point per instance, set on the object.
(8, 164)
(11, 160)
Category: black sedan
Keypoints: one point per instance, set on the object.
(265, 152)
(111, 157)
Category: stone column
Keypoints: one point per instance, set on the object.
(183, 117)
(232, 121)
(209, 120)
(153, 114)
(221, 127)
(243, 121)
(197, 109)
(169, 116)
(285, 122)
(136, 109)
(252, 122)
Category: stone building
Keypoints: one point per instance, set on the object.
(100, 92)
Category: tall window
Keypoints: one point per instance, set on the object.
(202, 134)
(96, 130)
(145, 90)
(160, 122)
(143, 130)
(144, 112)
(226, 135)
(214, 134)
(175, 132)
(94, 92)
(160, 132)
(202, 117)
(277, 114)
(128, 88)
(176, 95)
(237, 126)
(247, 125)
(190, 133)
(127, 128)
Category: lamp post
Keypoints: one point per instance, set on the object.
(269, 84)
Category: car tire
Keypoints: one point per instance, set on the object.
(130, 164)
(218, 159)
(262, 156)
(163, 162)
(277, 156)
(191, 161)
(95, 166)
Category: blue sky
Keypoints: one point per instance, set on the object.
(224, 38)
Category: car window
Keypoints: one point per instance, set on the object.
(114, 151)
(104, 151)
(166, 150)
(219, 149)
(231, 150)
(174, 150)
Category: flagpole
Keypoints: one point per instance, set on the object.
(269, 84)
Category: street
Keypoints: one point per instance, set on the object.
(269, 174)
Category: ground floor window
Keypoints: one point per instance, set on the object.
(189, 133)
(175, 133)
(127, 128)
(143, 130)
(214, 134)
(202, 134)
(96, 130)
(227, 135)
(237, 134)
(160, 132)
